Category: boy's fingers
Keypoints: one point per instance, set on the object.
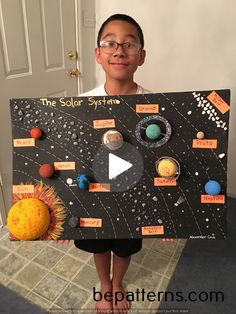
(168, 240)
(63, 241)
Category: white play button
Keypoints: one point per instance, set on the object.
(117, 166)
(122, 169)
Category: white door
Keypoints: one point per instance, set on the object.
(37, 37)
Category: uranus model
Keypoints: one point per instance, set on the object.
(153, 131)
(212, 187)
(82, 181)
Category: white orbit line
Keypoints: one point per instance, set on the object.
(23, 156)
(188, 123)
(174, 107)
(167, 208)
(219, 160)
(200, 162)
(107, 212)
(190, 207)
(194, 156)
(26, 174)
(222, 231)
(197, 157)
(191, 210)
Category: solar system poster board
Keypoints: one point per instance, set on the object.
(138, 202)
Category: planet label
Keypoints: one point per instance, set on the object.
(212, 199)
(219, 102)
(91, 222)
(60, 165)
(23, 188)
(145, 108)
(24, 142)
(101, 124)
(165, 181)
(204, 143)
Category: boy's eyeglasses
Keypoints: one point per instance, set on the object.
(111, 46)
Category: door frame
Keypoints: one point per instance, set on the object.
(3, 215)
(78, 46)
(78, 41)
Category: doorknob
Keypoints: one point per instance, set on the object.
(74, 73)
(73, 55)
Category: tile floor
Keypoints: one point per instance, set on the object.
(59, 278)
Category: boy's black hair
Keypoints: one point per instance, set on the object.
(121, 17)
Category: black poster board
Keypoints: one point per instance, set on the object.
(137, 202)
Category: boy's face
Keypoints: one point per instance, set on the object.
(120, 65)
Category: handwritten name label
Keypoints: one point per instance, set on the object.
(103, 124)
(90, 222)
(22, 189)
(147, 108)
(24, 142)
(217, 199)
(152, 230)
(68, 165)
(218, 102)
(164, 182)
(99, 187)
(205, 143)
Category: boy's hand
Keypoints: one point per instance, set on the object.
(63, 241)
(168, 240)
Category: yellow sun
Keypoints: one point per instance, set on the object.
(28, 219)
(37, 215)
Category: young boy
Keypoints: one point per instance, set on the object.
(120, 52)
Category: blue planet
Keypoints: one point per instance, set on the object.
(82, 181)
(212, 187)
(153, 131)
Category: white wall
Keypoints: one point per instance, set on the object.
(87, 40)
(191, 45)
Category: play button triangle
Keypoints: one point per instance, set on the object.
(117, 166)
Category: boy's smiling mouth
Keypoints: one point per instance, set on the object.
(119, 64)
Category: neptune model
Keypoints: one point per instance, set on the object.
(212, 187)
